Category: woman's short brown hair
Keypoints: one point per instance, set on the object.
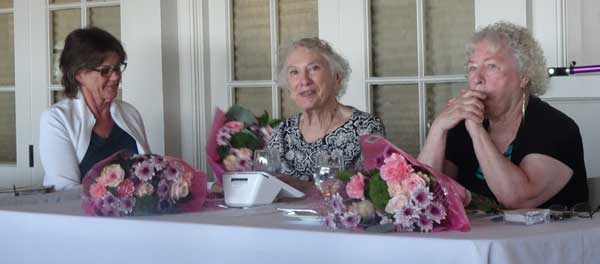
(86, 48)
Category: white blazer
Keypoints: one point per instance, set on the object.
(65, 132)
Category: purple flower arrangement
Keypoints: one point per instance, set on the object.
(395, 197)
(234, 137)
(126, 184)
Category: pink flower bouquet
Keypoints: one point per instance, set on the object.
(234, 137)
(396, 193)
(126, 184)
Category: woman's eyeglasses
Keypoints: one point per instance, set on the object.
(561, 212)
(107, 71)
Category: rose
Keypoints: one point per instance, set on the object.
(364, 208)
(126, 188)
(413, 181)
(179, 189)
(231, 163)
(244, 159)
(97, 191)
(234, 126)
(243, 153)
(397, 203)
(143, 189)
(395, 168)
(394, 188)
(111, 175)
(356, 186)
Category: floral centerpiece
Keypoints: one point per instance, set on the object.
(396, 193)
(126, 184)
(234, 137)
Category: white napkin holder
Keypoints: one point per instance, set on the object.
(249, 188)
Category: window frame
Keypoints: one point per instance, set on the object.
(8, 168)
(83, 6)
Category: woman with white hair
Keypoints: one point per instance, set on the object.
(497, 138)
(315, 76)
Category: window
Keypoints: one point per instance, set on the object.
(7, 85)
(416, 57)
(67, 15)
(414, 49)
(258, 29)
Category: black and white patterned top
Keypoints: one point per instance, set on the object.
(298, 156)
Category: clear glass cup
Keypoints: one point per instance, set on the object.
(267, 161)
(324, 175)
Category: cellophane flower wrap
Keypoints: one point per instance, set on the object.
(396, 192)
(130, 184)
(234, 137)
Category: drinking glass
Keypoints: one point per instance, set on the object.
(326, 167)
(267, 161)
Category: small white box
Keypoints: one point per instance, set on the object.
(527, 216)
(249, 188)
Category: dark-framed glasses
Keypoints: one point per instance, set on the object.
(107, 71)
(562, 212)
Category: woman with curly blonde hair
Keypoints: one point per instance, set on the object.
(497, 138)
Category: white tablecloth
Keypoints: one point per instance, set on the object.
(53, 230)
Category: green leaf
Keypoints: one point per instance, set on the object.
(223, 152)
(246, 139)
(274, 122)
(263, 120)
(385, 228)
(377, 191)
(345, 175)
(241, 114)
(145, 205)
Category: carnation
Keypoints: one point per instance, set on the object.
(234, 126)
(395, 168)
(126, 188)
(97, 190)
(356, 187)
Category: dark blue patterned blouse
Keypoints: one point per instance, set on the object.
(298, 156)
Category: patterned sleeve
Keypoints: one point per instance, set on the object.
(378, 127)
(372, 125)
(276, 145)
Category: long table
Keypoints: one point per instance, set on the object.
(51, 229)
